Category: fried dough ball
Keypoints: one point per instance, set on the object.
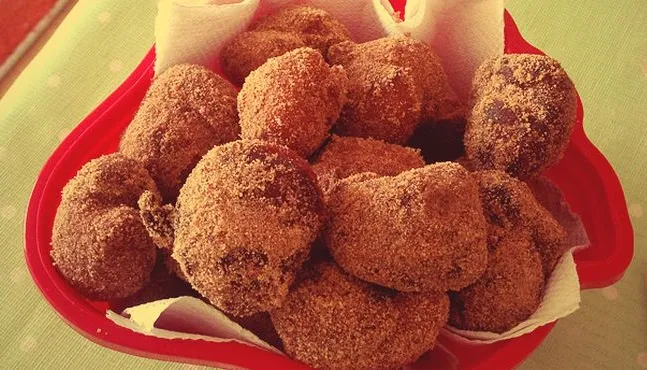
(525, 243)
(244, 223)
(292, 100)
(394, 83)
(422, 230)
(509, 291)
(318, 29)
(99, 243)
(346, 156)
(383, 103)
(511, 208)
(288, 29)
(332, 320)
(523, 113)
(249, 50)
(187, 110)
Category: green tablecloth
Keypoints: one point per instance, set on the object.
(602, 44)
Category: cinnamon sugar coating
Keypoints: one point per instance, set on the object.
(525, 244)
(292, 100)
(316, 27)
(382, 103)
(288, 29)
(249, 50)
(99, 243)
(422, 230)
(187, 110)
(346, 156)
(509, 291)
(394, 83)
(244, 223)
(332, 320)
(522, 115)
(511, 208)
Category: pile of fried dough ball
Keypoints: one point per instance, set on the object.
(350, 148)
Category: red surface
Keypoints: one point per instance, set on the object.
(584, 175)
(17, 19)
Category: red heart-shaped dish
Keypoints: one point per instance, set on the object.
(589, 183)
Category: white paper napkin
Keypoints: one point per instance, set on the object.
(186, 318)
(462, 32)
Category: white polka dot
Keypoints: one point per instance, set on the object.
(17, 274)
(635, 210)
(27, 344)
(3, 152)
(63, 134)
(641, 360)
(104, 17)
(7, 212)
(54, 81)
(116, 65)
(610, 293)
(191, 367)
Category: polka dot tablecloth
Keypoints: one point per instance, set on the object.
(602, 44)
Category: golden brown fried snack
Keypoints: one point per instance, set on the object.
(509, 291)
(331, 320)
(522, 116)
(383, 103)
(388, 69)
(525, 243)
(422, 230)
(511, 208)
(244, 223)
(187, 110)
(249, 50)
(346, 156)
(292, 100)
(99, 243)
(313, 25)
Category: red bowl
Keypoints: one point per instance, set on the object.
(589, 183)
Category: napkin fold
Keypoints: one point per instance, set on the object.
(185, 318)
(462, 32)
